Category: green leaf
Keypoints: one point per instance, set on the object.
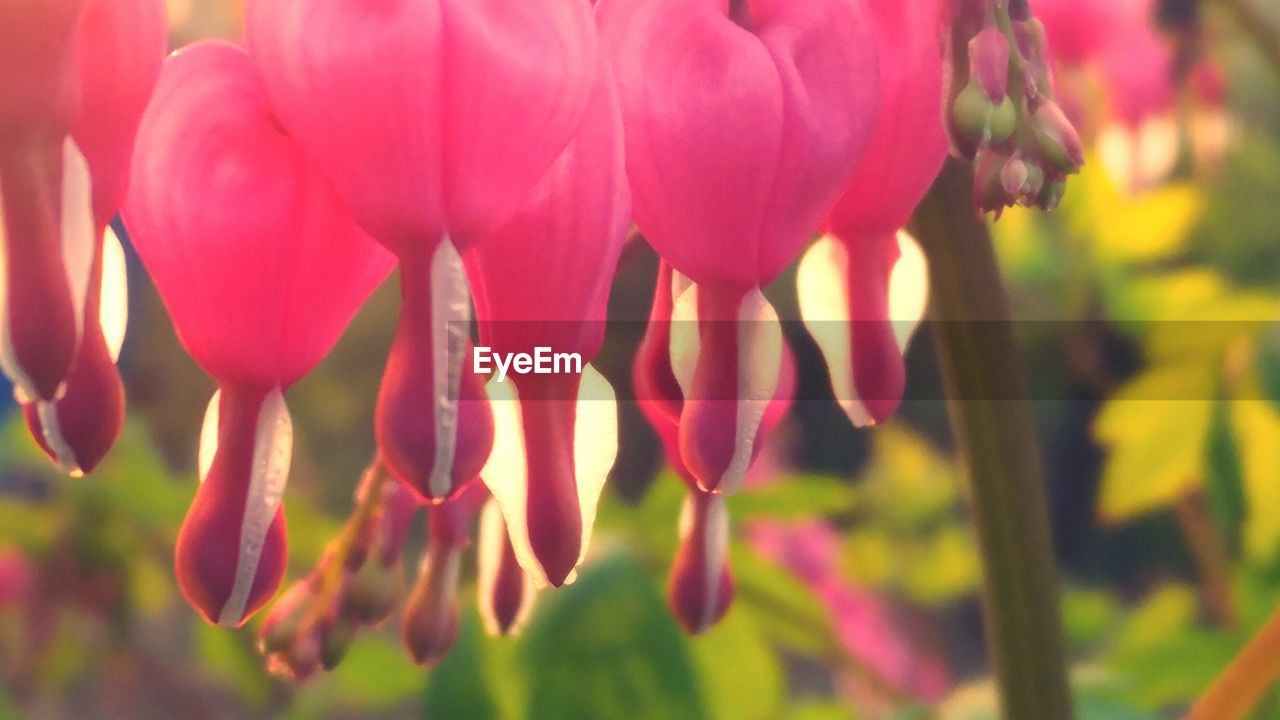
(795, 497)
(740, 674)
(377, 674)
(606, 647)
(457, 687)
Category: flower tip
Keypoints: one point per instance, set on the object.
(208, 575)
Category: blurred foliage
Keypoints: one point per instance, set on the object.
(1153, 337)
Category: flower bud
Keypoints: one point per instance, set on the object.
(1013, 176)
(372, 592)
(989, 62)
(431, 612)
(335, 644)
(1058, 141)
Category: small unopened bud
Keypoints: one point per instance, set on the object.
(1031, 187)
(373, 591)
(336, 643)
(504, 591)
(1051, 194)
(700, 588)
(981, 120)
(988, 184)
(431, 612)
(285, 618)
(1013, 176)
(989, 62)
(1058, 141)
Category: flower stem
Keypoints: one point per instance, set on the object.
(995, 434)
(1241, 686)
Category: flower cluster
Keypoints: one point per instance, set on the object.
(1002, 113)
(497, 153)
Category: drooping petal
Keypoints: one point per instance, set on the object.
(430, 624)
(861, 302)
(555, 441)
(47, 245)
(726, 353)
(434, 117)
(700, 588)
(503, 591)
(433, 423)
(231, 551)
(238, 229)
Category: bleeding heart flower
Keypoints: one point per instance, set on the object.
(430, 625)
(74, 75)
(119, 46)
(744, 121)
(700, 586)
(564, 424)
(504, 591)
(863, 288)
(260, 267)
(435, 119)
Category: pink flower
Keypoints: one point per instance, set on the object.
(700, 585)
(744, 121)
(17, 578)
(260, 267)
(542, 280)
(63, 172)
(863, 288)
(435, 119)
(866, 626)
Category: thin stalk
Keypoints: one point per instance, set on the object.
(994, 431)
(1242, 685)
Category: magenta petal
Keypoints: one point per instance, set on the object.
(237, 228)
(700, 588)
(572, 229)
(433, 117)
(909, 140)
(39, 92)
(504, 592)
(231, 551)
(739, 139)
(121, 44)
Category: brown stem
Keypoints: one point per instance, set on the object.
(995, 433)
(1209, 555)
(1241, 686)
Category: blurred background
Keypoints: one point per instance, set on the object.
(1147, 309)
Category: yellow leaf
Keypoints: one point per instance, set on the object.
(1155, 430)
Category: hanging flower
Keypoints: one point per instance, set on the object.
(74, 77)
(260, 267)
(744, 121)
(119, 45)
(700, 586)
(862, 288)
(557, 431)
(435, 120)
(357, 582)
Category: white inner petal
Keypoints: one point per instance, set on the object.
(209, 436)
(715, 550)
(272, 449)
(64, 456)
(759, 365)
(595, 447)
(506, 472)
(79, 238)
(822, 286)
(685, 342)
(908, 289)
(450, 328)
(22, 390)
(113, 312)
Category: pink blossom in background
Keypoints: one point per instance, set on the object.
(17, 578)
(865, 624)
